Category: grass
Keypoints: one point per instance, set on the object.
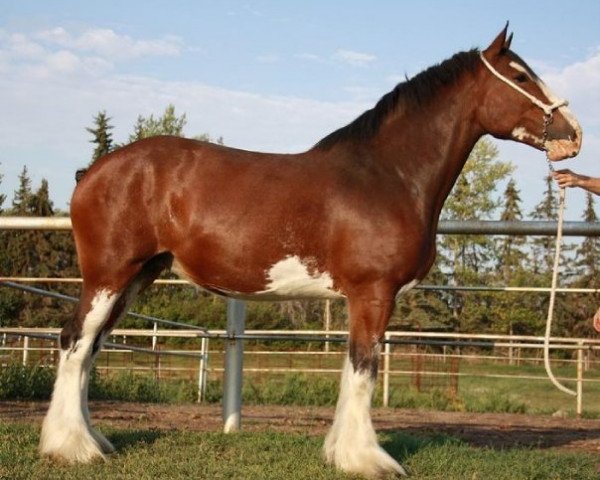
(151, 454)
(506, 394)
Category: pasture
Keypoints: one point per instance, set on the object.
(173, 442)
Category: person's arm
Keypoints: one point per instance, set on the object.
(567, 178)
(597, 321)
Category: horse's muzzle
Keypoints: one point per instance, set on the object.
(562, 149)
(564, 136)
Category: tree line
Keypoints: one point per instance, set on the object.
(461, 260)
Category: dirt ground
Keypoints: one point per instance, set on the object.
(491, 430)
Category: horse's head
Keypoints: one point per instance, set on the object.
(516, 104)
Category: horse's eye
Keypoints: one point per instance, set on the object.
(521, 78)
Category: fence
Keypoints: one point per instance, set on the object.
(235, 334)
(407, 357)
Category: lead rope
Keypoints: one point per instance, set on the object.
(548, 109)
(553, 286)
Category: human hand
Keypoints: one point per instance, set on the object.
(567, 178)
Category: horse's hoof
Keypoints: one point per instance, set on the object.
(68, 446)
(371, 462)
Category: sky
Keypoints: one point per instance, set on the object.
(264, 75)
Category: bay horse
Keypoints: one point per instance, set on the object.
(354, 217)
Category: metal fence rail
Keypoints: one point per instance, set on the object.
(235, 335)
(445, 227)
(582, 362)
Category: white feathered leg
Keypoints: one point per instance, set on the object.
(351, 444)
(66, 431)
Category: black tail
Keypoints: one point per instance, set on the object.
(79, 174)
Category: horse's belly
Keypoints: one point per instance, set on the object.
(290, 278)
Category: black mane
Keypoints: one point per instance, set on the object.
(414, 92)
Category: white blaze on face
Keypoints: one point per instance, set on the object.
(291, 277)
(522, 134)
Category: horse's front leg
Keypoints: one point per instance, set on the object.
(351, 444)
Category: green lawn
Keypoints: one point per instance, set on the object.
(152, 454)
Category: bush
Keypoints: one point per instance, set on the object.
(483, 402)
(35, 383)
(20, 382)
(432, 400)
(127, 387)
(294, 389)
(494, 402)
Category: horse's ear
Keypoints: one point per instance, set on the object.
(500, 44)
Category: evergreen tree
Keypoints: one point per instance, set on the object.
(512, 313)
(587, 261)
(23, 195)
(588, 253)
(2, 196)
(102, 136)
(40, 204)
(29, 253)
(543, 247)
(511, 255)
(468, 259)
(542, 256)
(424, 309)
(42, 247)
(10, 302)
(472, 198)
(19, 244)
(138, 130)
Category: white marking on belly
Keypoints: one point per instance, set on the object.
(291, 277)
(288, 278)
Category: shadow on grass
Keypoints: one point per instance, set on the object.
(402, 446)
(125, 439)
(499, 438)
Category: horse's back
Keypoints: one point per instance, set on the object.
(205, 203)
(122, 200)
(142, 174)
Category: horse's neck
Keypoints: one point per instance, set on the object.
(428, 148)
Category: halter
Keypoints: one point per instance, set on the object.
(548, 110)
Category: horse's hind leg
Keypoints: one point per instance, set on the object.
(66, 431)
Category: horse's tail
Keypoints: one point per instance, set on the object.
(79, 174)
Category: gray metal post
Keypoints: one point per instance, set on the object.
(202, 369)
(234, 356)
